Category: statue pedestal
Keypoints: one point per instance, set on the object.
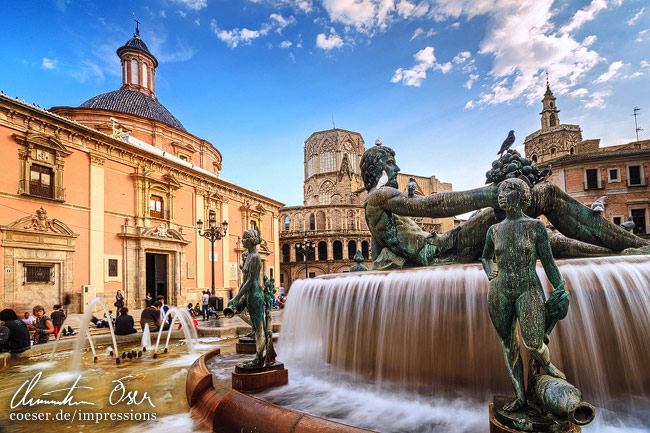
(258, 379)
(246, 345)
(524, 420)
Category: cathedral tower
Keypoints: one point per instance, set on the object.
(553, 139)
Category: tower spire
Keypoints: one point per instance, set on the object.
(136, 33)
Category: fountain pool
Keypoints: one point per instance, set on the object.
(163, 380)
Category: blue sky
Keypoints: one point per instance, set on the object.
(441, 81)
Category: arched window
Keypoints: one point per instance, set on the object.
(320, 221)
(552, 119)
(327, 162)
(253, 225)
(572, 151)
(352, 249)
(322, 250)
(310, 167)
(312, 222)
(552, 151)
(352, 157)
(336, 220)
(286, 253)
(145, 78)
(134, 72)
(286, 223)
(534, 158)
(364, 249)
(338, 250)
(326, 190)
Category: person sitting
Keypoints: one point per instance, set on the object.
(190, 309)
(151, 316)
(212, 311)
(42, 326)
(197, 310)
(164, 308)
(14, 335)
(58, 316)
(124, 324)
(27, 319)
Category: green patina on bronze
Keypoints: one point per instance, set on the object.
(396, 235)
(516, 295)
(358, 257)
(251, 296)
(269, 294)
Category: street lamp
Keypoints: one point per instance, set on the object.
(305, 248)
(213, 234)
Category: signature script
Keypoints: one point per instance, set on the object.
(22, 398)
(119, 394)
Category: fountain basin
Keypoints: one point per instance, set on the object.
(235, 412)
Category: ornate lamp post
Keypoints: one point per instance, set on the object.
(213, 234)
(305, 248)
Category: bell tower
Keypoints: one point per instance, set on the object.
(549, 109)
(553, 140)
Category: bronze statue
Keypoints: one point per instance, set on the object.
(269, 293)
(398, 241)
(251, 296)
(358, 257)
(515, 290)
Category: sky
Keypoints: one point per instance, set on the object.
(440, 81)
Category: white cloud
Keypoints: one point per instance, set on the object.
(633, 20)
(584, 15)
(197, 21)
(612, 72)
(420, 32)
(641, 36)
(244, 36)
(407, 9)
(279, 22)
(472, 78)
(87, 71)
(163, 14)
(285, 44)
(579, 93)
(461, 57)
(364, 15)
(49, 63)
(469, 105)
(589, 40)
(597, 99)
(182, 13)
(330, 42)
(522, 43)
(195, 5)
(425, 60)
(645, 64)
(292, 57)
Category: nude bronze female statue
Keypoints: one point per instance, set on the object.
(515, 292)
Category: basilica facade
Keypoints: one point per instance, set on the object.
(332, 215)
(106, 196)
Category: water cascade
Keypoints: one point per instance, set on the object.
(428, 331)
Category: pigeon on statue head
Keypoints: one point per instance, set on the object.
(510, 139)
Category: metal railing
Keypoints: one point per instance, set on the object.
(51, 193)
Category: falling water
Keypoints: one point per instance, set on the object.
(428, 330)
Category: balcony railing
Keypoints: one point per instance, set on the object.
(593, 185)
(643, 181)
(161, 215)
(51, 193)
